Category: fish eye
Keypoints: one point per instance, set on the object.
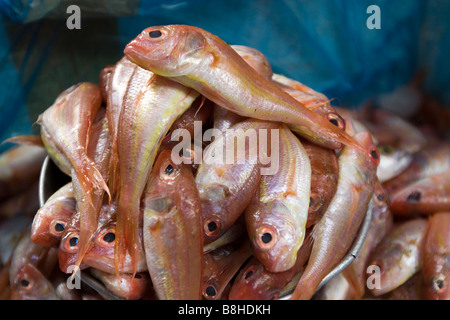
(57, 227)
(210, 291)
(374, 154)
(336, 120)
(212, 227)
(414, 196)
(315, 201)
(69, 243)
(106, 237)
(250, 272)
(155, 34)
(24, 283)
(169, 170)
(438, 283)
(73, 242)
(109, 237)
(266, 238)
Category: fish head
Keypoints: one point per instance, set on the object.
(124, 285)
(68, 249)
(168, 171)
(251, 283)
(212, 196)
(372, 155)
(336, 119)
(101, 254)
(277, 238)
(167, 50)
(50, 222)
(31, 284)
(437, 282)
(393, 161)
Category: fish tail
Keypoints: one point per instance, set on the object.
(127, 234)
(113, 169)
(90, 178)
(119, 247)
(203, 99)
(85, 243)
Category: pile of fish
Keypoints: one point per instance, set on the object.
(195, 172)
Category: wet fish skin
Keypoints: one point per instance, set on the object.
(381, 223)
(336, 231)
(436, 257)
(99, 150)
(227, 187)
(423, 197)
(100, 254)
(224, 119)
(236, 232)
(255, 282)
(19, 166)
(172, 230)
(392, 162)
(399, 254)
(276, 217)
(28, 252)
(103, 81)
(324, 179)
(31, 284)
(255, 59)
(124, 285)
(431, 160)
(65, 129)
(142, 125)
(311, 99)
(201, 60)
(412, 289)
(220, 267)
(51, 219)
(391, 129)
(117, 83)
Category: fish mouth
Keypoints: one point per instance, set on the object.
(134, 52)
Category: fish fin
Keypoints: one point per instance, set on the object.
(127, 235)
(89, 213)
(90, 178)
(318, 105)
(203, 99)
(30, 140)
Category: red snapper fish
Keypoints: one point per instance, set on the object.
(206, 63)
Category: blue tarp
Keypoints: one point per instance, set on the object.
(323, 43)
